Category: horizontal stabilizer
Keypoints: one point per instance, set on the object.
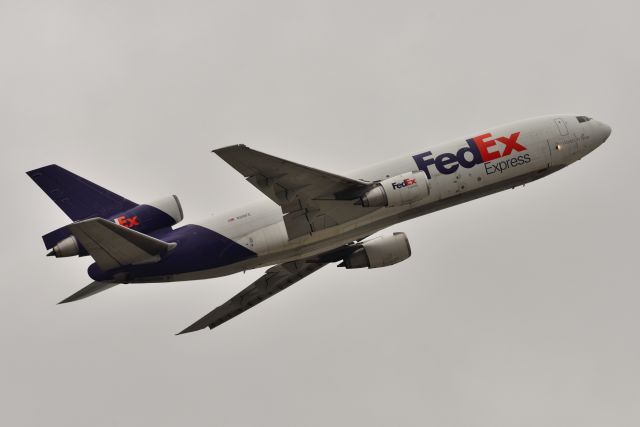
(113, 245)
(89, 290)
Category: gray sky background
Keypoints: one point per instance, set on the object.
(519, 309)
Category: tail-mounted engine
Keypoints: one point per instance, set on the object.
(397, 191)
(146, 218)
(379, 252)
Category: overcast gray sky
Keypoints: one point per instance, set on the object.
(519, 309)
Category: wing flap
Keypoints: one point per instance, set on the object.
(113, 246)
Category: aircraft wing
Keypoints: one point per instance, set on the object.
(311, 199)
(274, 280)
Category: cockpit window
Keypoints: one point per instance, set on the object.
(582, 119)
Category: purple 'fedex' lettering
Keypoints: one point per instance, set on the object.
(480, 149)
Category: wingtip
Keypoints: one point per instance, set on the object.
(193, 328)
(89, 290)
(72, 298)
(228, 147)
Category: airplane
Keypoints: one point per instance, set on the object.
(310, 218)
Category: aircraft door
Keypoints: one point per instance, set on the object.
(562, 126)
(563, 146)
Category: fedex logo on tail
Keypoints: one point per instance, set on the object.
(127, 222)
(480, 149)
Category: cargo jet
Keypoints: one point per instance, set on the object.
(309, 218)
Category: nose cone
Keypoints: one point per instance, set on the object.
(595, 134)
(603, 131)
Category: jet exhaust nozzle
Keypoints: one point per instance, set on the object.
(66, 247)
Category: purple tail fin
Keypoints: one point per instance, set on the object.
(77, 197)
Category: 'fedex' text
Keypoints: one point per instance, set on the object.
(480, 149)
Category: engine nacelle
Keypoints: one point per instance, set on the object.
(158, 214)
(146, 218)
(381, 251)
(66, 247)
(398, 190)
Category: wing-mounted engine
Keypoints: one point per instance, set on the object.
(145, 218)
(398, 190)
(378, 252)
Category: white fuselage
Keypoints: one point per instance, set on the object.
(537, 148)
